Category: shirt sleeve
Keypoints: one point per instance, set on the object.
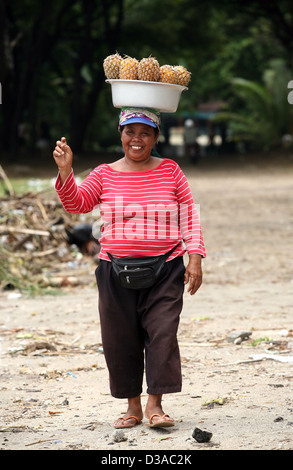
(189, 221)
(83, 198)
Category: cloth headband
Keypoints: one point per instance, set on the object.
(129, 113)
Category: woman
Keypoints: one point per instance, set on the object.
(147, 210)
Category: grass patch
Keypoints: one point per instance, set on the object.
(261, 340)
(25, 185)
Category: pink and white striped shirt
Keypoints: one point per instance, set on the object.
(144, 213)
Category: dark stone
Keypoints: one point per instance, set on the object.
(201, 436)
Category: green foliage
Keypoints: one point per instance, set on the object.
(261, 115)
(15, 274)
(52, 54)
(261, 340)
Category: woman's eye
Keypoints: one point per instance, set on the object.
(131, 133)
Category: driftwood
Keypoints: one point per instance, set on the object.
(6, 181)
(39, 345)
(34, 242)
(28, 231)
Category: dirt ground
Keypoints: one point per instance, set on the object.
(56, 397)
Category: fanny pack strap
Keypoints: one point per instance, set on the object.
(165, 256)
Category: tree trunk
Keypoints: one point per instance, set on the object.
(84, 101)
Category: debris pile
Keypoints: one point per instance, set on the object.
(37, 249)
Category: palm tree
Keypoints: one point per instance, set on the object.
(263, 115)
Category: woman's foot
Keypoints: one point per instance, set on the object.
(157, 420)
(155, 414)
(132, 417)
(126, 422)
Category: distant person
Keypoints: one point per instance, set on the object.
(192, 149)
(21, 135)
(43, 142)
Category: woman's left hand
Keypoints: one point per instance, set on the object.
(193, 273)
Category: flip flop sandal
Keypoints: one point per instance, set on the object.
(160, 424)
(129, 425)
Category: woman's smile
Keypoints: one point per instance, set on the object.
(136, 147)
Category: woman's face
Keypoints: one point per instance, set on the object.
(138, 140)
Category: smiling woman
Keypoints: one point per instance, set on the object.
(139, 129)
(138, 141)
(148, 212)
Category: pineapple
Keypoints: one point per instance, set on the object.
(128, 68)
(168, 74)
(149, 69)
(112, 66)
(183, 75)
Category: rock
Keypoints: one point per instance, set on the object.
(119, 436)
(278, 419)
(237, 337)
(201, 436)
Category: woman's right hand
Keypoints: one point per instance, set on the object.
(63, 155)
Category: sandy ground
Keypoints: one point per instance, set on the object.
(57, 397)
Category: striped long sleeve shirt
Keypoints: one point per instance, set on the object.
(144, 213)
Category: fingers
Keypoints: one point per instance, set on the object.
(194, 280)
(61, 147)
(193, 273)
(194, 285)
(61, 144)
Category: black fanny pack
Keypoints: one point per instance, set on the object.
(139, 273)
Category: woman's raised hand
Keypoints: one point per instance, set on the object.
(63, 157)
(63, 154)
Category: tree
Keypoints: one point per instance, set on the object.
(39, 40)
(51, 55)
(261, 114)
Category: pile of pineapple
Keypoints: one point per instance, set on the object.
(147, 69)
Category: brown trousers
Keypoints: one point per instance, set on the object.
(141, 324)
